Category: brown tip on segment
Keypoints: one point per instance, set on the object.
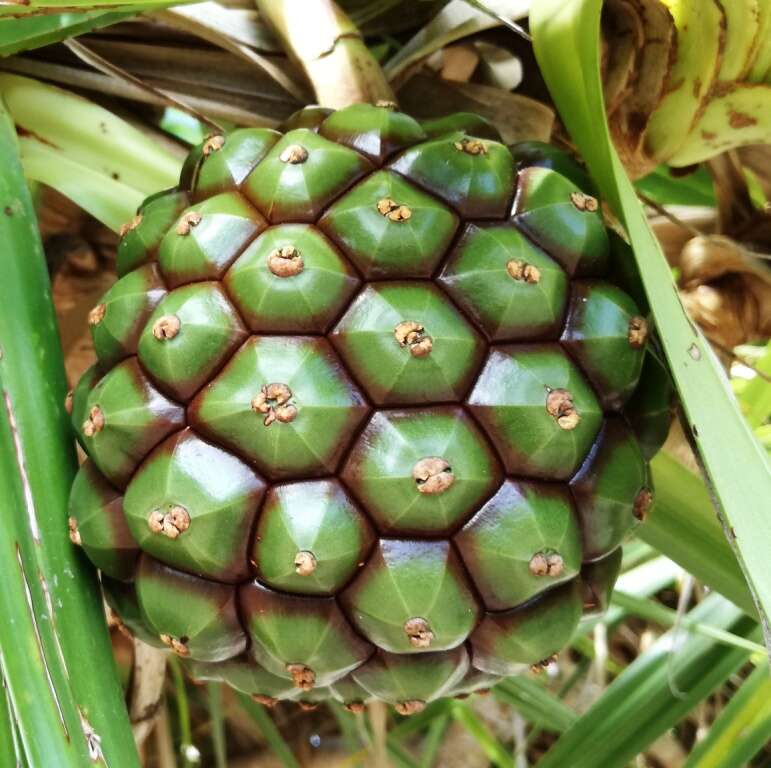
(547, 564)
(294, 154)
(166, 327)
(133, 224)
(213, 144)
(96, 315)
(522, 271)
(392, 210)
(432, 475)
(94, 423)
(410, 707)
(411, 334)
(170, 524)
(285, 261)
(303, 677)
(307, 706)
(584, 202)
(266, 701)
(543, 664)
(178, 646)
(357, 707)
(69, 400)
(559, 404)
(419, 632)
(273, 402)
(386, 104)
(482, 692)
(638, 332)
(187, 222)
(642, 504)
(72, 524)
(471, 146)
(304, 563)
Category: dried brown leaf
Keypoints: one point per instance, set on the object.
(517, 117)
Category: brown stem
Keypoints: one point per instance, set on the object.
(329, 49)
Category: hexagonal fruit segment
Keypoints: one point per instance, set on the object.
(651, 410)
(124, 417)
(522, 542)
(375, 131)
(122, 599)
(207, 238)
(474, 682)
(245, 675)
(475, 176)
(192, 331)
(190, 504)
(529, 154)
(310, 538)
(304, 639)
(97, 524)
(350, 694)
(598, 579)
(284, 403)
(412, 597)
(291, 279)
(141, 236)
(606, 335)
(564, 221)
(301, 175)
(508, 643)
(307, 117)
(410, 682)
(76, 400)
(537, 408)
(227, 160)
(613, 489)
(468, 123)
(421, 471)
(193, 617)
(117, 320)
(512, 289)
(406, 343)
(389, 228)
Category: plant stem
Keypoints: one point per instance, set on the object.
(329, 49)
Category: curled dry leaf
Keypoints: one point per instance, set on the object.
(726, 291)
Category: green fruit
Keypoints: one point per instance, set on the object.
(358, 426)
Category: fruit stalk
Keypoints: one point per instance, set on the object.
(329, 49)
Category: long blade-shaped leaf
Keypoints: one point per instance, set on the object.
(19, 8)
(655, 691)
(682, 525)
(56, 655)
(18, 35)
(742, 729)
(566, 37)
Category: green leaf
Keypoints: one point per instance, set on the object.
(742, 729)
(756, 396)
(217, 719)
(10, 749)
(18, 35)
(566, 39)
(654, 692)
(665, 189)
(682, 525)
(45, 7)
(272, 735)
(96, 159)
(56, 654)
(536, 704)
(495, 751)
